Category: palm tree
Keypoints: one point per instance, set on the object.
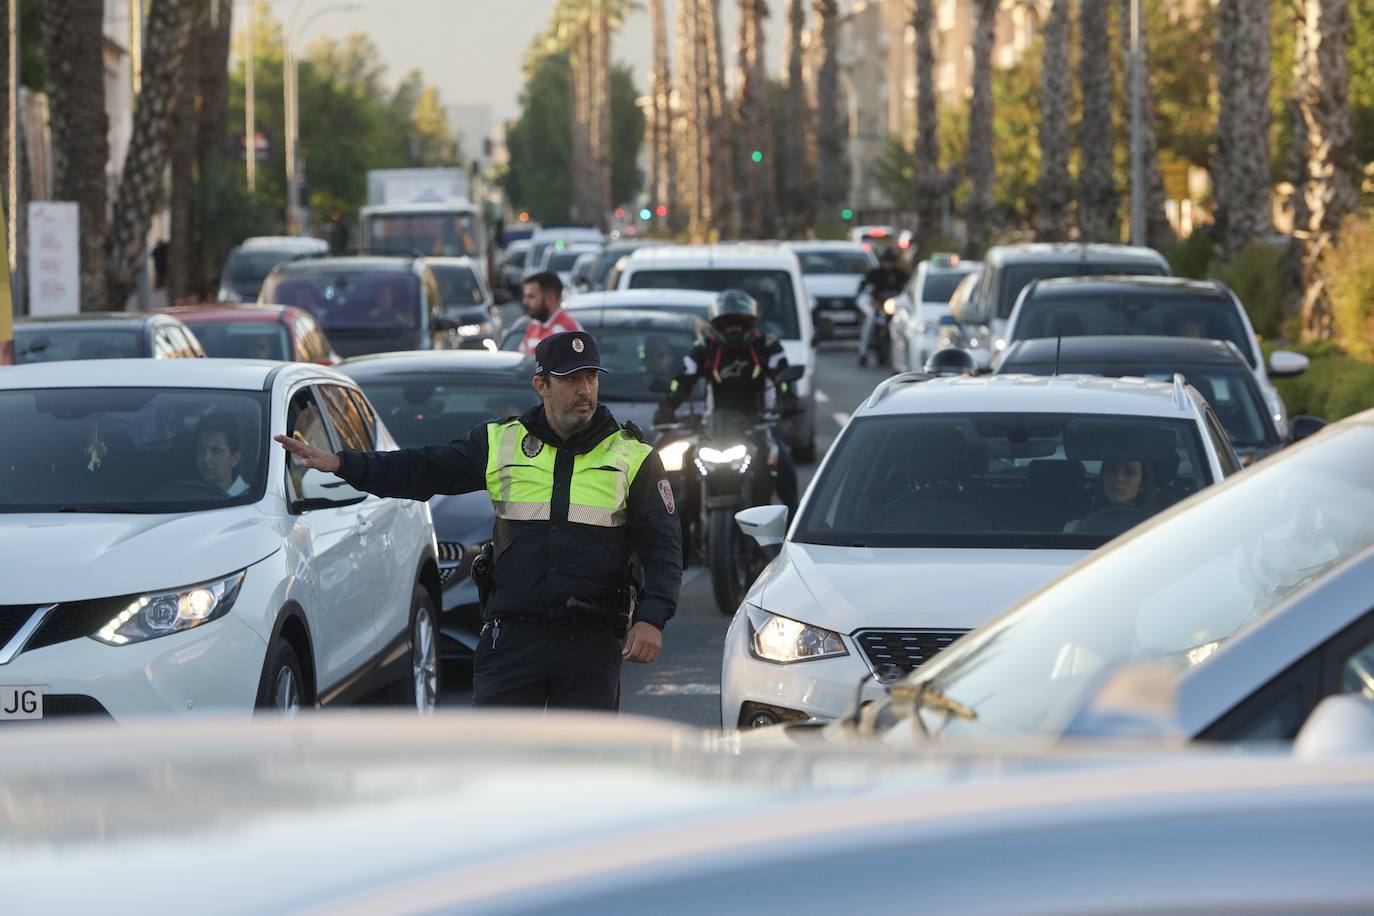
(798, 113)
(694, 137)
(661, 159)
(1332, 193)
(212, 144)
(721, 132)
(930, 183)
(832, 178)
(1056, 99)
(1158, 232)
(753, 124)
(1097, 197)
(981, 163)
(73, 45)
(1240, 168)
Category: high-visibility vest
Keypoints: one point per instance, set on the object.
(520, 468)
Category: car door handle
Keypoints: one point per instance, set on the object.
(364, 526)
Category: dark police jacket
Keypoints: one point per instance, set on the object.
(737, 374)
(556, 537)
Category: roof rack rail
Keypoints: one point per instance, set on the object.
(887, 385)
(1180, 391)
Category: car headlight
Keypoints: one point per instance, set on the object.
(780, 639)
(716, 456)
(471, 330)
(159, 613)
(674, 454)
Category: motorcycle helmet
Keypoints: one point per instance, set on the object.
(735, 316)
(950, 361)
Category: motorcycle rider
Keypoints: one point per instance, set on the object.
(738, 359)
(887, 279)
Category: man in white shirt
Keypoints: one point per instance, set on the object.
(543, 302)
(219, 450)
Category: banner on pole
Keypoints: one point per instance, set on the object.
(54, 258)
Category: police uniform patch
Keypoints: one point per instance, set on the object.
(665, 489)
(577, 345)
(531, 445)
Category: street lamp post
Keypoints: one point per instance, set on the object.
(291, 104)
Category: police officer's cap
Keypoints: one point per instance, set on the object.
(567, 352)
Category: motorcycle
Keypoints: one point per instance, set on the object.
(880, 338)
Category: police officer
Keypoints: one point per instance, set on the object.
(738, 359)
(575, 497)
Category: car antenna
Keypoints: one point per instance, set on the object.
(1058, 346)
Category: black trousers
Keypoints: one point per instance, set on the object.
(558, 665)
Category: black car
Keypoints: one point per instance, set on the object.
(104, 335)
(367, 304)
(432, 399)
(1214, 367)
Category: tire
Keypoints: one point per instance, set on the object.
(420, 689)
(806, 452)
(283, 690)
(728, 571)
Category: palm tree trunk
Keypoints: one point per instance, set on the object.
(982, 165)
(694, 139)
(165, 48)
(1241, 164)
(212, 144)
(73, 47)
(722, 136)
(930, 182)
(1332, 191)
(1098, 219)
(832, 178)
(1158, 232)
(601, 111)
(762, 120)
(746, 129)
(797, 203)
(661, 159)
(1056, 99)
(182, 153)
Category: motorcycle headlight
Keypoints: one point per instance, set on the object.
(716, 456)
(159, 613)
(674, 454)
(890, 306)
(470, 330)
(780, 639)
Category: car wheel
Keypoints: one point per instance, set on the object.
(283, 689)
(420, 688)
(805, 452)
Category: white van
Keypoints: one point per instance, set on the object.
(770, 274)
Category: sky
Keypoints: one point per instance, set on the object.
(472, 49)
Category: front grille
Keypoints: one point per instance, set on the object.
(448, 576)
(902, 650)
(77, 619)
(450, 552)
(455, 562)
(12, 617)
(836, 304)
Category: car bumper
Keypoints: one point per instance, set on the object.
(212, 669)
(823, 689)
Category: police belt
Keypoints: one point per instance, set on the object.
(579, 612)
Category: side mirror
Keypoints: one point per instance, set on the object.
(1342, 724)
(1304, 426)
(323, 491)
(501, 296)
(791, 374)
(1286, 362)
(765, 524)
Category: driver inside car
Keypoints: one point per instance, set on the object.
(1126, 485)
(219, 452)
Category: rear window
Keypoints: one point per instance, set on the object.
(249, 268)
(242, 339)
(1155, 313)
(458, 285)
(772, 289)
(436, 410)
(834, 262)
(940, 285)
(356, 300)
(48, 345)
(1016, 277)
(563, 261)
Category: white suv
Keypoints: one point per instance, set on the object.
(773, 276)
(941, 504)
(162, 558)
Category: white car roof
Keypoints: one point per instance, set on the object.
(285, 243)
(1075, 394)
(565, 232)
(826, 246)
(640, 298)
(446, 206)
(228, 374)
(725, 257)
(454, 261)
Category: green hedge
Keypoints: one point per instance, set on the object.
(1334, 386)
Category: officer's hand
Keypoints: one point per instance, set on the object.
(643, 643)
(308, 456)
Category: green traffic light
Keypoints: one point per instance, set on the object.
(645, 214)
(846, 213)
(757, 155)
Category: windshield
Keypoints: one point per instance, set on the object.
(1000, 480)
(834, 262)
(242, 339)
(50, 344)
(247, 269)
(1161, 313)
(606, 261)
(772, 289)
(437, 409)
(635, 356)
(1016, 277)
(516, 258)
(139, 450)
(432, 234)
(939, 286)
(1174, 594)
(356, 300)
(1229, 389)
(458, 285)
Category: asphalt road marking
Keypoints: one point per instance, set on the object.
(679, 690)
(822, 397)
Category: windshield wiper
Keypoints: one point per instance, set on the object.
(924, 695)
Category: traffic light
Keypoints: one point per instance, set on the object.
(661, 212)
(846, 214)
(757, 155)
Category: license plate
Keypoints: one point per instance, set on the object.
(21, 703)
(841, 317)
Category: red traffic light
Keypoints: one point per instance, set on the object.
(661, 212)
(619, 212)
